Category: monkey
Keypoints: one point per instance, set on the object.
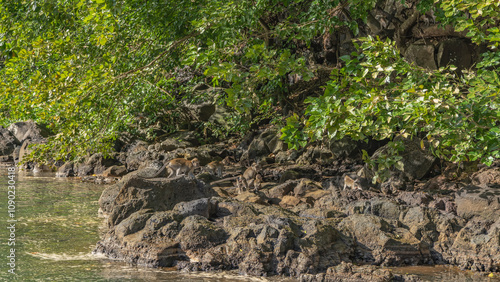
(257, 184)
(239, 184)
(249, 176)
(352, 183)
(216, 167)
(179, 166)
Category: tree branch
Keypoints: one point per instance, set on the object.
(174, 45)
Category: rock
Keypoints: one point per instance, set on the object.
(487, 176)
(347, 272)
(315, 194)
(341, 148)
(137, 154)
(318, 154)
(66, 170)
(422, 55)
(190, 138)
(415, 198)
(249, 197)
(198, 232)
(304, 186)
(115, 171)
(319, 213)
(201, 112)
(454, 51)
(384, 244)
(204, 207)
(290, 174)
(29, 130)
(289, 202)
(133, 223)
(137, 193)
(171, 144)
(480, 201)
(477, 246)
(25, 151)
(7, 142)
(255, 150)
(281, 190)
(96, 164)
(415, 162)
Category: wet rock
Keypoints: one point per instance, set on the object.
(347, 272)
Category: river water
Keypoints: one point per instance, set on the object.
(57, 228)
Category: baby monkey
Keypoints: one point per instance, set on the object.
(352, 183)
(250, 177)
(179, 166)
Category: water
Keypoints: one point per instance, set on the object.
(439, 273)
(57, 228)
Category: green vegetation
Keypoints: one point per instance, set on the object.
(92, 69)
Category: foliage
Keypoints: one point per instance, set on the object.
(378, 94)
(90, 69)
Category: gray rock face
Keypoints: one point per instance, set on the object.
(28, 130)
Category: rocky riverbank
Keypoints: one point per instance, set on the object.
(301, 223)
